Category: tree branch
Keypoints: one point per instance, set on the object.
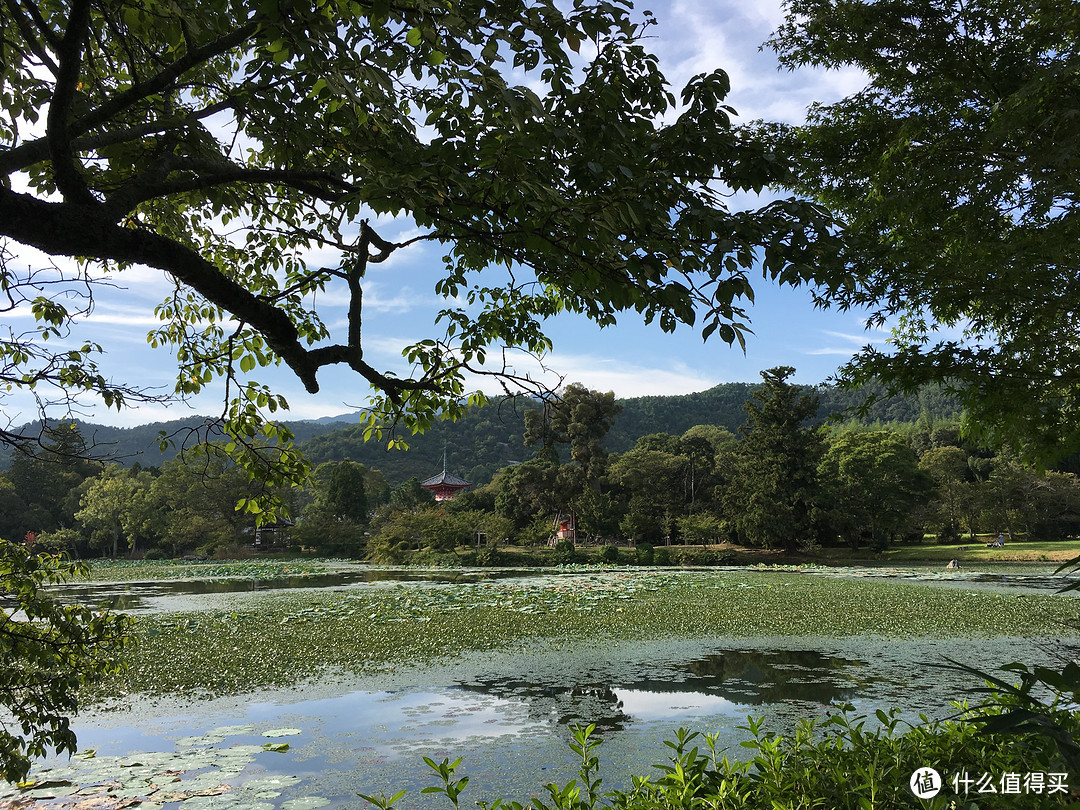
(68, 179)
(36, 151)
(208, 174)
(68, 229)
(51, 37)
(31, 38)
(163, 80)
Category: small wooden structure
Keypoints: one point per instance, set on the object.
(273, 534)
(565, 528)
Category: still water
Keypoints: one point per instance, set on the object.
(138, 597)
(507, 715)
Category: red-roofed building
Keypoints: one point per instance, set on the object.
(444, 485)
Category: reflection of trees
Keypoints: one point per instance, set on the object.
(772, 676)
(741, 676)
(560, 705)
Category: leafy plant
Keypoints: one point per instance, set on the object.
(564, 552)
(609, 554)
(844, 761)
(48, 652)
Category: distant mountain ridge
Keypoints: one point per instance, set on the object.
(489, 438)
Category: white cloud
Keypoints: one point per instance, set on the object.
(699, 37)
(601, 373)
(848, 352)
(645, 705)
(859, 340)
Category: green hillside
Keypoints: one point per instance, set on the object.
(490, 438)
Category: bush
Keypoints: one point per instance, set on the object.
(435, 558)
(609, 554)
(564, 553)
(949, 534)
(155, 554)
(645, 554)
(61, 540)
(487, 556)
(237, 551)
(702, 556)
(661, 556)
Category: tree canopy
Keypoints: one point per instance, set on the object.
(219, 142)
(955, 175)
(774, 487)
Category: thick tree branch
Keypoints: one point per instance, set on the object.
(68, 179)
(207, 174)
(51, 37)
(27, 154)
(68, 229)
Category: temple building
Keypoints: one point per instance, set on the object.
(444, 485)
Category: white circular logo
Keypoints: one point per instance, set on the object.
(926, 783)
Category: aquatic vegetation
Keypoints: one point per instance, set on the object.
(201, 773)
(376, 628)
(105, 570)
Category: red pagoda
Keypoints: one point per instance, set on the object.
(444, 485)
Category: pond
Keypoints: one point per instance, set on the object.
(137, 597)
(507, 713)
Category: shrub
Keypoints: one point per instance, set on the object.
(645, 554)
(61, 540)
(564, 552)
(155, 554)
(702, 556)
(487, 556)
(949, 534)
(661, 556)
(609, 554)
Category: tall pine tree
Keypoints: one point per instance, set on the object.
(772, 496)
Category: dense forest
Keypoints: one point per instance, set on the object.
(489, 438)
(788, 477)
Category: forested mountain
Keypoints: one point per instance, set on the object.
(491, 437)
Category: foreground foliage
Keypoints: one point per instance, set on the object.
(984, 758)
(222, 143)
(954, 172)
(47, 652)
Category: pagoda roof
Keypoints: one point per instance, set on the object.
(445, 479)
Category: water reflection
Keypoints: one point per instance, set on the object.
(774, 676)
(725, 683)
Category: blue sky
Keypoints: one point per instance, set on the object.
(632, 359)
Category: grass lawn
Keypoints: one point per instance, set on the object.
(977, 551)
